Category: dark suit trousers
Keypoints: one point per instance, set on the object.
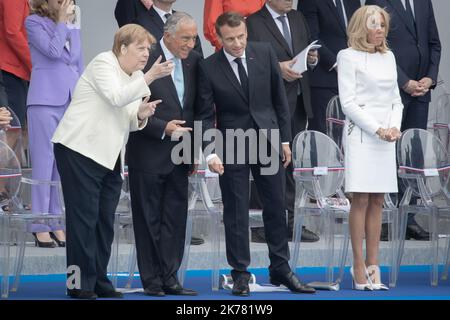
(159, 203)
(91, 194)
(16, 91)
(319, 100)
(234, 184)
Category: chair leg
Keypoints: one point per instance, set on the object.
(5, 254)
(446, 261)
(344, 251)
(187, 246)
(115, 251)
(298, 223)
(215, 248)
(131, 266)
(329, 240)
(403, 217)
(434, 243)
(19, 259)
(394, 238)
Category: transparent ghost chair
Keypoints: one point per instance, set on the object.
(18, 217)
(319, 175)
(13, 138)
(123, 225)
(200, 204)
(424, 168)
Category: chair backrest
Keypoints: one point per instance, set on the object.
(10, 175)
(441, 121)
(317, 157)
(335, 121)
(421, 154)
(13, 138)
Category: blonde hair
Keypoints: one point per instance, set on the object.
(40, 7)
(128, 34)
(357, 30)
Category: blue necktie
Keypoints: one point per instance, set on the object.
(179, 79)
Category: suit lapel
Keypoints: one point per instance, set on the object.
(398, 7)
(333, 9)
(271, 25)
(251, 70)
(299, 41)
(156, 18)
(226, 68)
(169, 80)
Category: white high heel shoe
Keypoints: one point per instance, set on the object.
(361, 286)
(374, 277)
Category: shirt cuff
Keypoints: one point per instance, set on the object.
(285, 143)
(211, 156)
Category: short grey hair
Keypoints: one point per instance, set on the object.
(175, 20)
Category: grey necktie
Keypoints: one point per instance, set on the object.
(286, 33)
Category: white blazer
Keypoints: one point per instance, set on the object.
(103, 111)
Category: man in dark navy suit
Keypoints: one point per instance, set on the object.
(414, 40)
(127, 10)
(242, 87)
(327, 21)
(158, 186)
(287, 32)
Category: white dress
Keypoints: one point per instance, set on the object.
(370, 99)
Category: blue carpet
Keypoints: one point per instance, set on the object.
(413, 284)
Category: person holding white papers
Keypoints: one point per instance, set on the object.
(370, 99)
(286, 30)
(327, 21)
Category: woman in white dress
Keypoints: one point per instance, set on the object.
(368, 91)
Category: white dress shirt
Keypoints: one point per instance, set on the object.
(162, 13)
(275, 17)
(234, 65)
(412, 6)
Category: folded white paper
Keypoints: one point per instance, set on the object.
(301, 65)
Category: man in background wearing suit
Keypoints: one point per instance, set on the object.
(327, 21)
(159, 188)
(286, 30)
(414, 40)
(127, 10)
(153, 20)
(245, 84)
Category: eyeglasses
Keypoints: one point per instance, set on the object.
(186, 39)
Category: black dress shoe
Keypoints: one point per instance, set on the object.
(60, 243)
(416, 232)
(197, 241)
(240, 284)
(178, 290)
(257, 235)
(307, 236)
(110, 294)
(42, 244)
(290, 281)
(82, 294)
(155, 292)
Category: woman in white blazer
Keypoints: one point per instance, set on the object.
(368, 91)
(89, 145)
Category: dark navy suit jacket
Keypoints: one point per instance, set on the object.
(324, 25)
(417, 54)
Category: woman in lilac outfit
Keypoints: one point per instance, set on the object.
(56, 57)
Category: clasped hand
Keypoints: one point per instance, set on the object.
(389, 135)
